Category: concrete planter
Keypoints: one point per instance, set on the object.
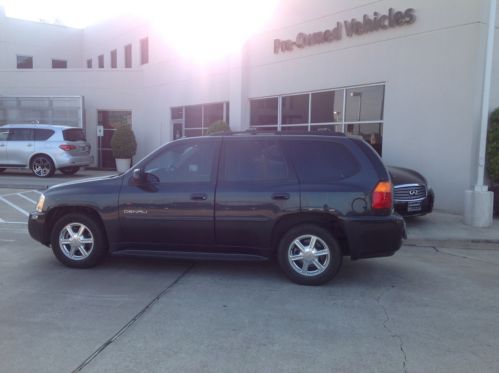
(495, 189)
(123, 164)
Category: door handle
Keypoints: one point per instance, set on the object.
(199, 196)
(280, 196)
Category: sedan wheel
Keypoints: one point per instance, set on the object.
(77, 241)
(42, 166)
(309, 255)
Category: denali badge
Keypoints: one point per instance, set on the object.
(129, 212)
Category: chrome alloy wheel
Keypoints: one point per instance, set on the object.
(309, 255)
(76, 241)
(41, 166)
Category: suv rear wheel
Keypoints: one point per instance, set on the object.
(42, 166)
(78, 241)
(309, 255)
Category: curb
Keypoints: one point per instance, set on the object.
(470, 244)
(24, 186)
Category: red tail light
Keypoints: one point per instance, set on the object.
(382, 196)
(67, 147)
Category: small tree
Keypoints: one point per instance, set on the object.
(218, 126)
(493, 147)
(123, 142)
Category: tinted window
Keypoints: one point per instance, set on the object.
(263, 112)
(185, 162)
(24, 62)
(255, 160)
(74, 134)
(59, 64)
(295, 109)
(321, 161)
(43, 134)
(128, 56)
(144, 51)
(20, 134)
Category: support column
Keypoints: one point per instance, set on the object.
(479, 203)
(238, 95)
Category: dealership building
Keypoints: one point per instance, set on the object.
(407, 75)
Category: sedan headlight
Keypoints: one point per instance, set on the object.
(41, 202)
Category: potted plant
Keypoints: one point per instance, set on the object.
(493, 157)
(218, 126)
(124, 146)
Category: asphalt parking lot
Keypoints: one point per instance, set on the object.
(426, 309)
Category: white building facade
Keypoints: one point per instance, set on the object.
(405, 74)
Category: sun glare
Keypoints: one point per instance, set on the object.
(209, 30)
(201, 30)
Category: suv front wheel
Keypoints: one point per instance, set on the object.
(309, 255)
(78, 241)
(42, 166)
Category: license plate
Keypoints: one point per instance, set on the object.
(413, 206)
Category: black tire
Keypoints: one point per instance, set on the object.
(78, 254)
(42, 166)
(69, 170)
(325, 252)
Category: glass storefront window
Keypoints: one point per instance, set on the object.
(327, 107)
(365, 103)
(213, 113)
(372, 133)
(295, 109)
(263, 112)
(193, 116)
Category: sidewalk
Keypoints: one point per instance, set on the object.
(436, 228)
(449, 230)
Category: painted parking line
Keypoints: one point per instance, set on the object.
(22, 211)
(26, 198)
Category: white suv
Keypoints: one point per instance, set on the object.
(43, 148)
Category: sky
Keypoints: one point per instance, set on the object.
(74, 13)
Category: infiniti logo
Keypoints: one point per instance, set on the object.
(413, 192)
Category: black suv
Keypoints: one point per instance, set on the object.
(307, 200)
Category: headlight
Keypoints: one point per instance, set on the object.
(41, 202)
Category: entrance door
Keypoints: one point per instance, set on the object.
(178, 129)
(109, 121)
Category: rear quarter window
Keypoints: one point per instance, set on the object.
(43, 134)
(73, 134)
(318, 162)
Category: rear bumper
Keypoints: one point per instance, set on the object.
(371, 237)
(69, 161)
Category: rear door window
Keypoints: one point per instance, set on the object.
(42, 134)
(254, 161)
(73, 134)
(20, 134)
(318, 162)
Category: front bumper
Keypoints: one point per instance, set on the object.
(374, 236)
(36, 227)
(423, 207)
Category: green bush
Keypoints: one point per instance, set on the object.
(123, 142)
(493, 147)
(218, 126)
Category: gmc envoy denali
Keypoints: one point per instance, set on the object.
(306, 200)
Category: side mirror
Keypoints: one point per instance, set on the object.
(138, 176)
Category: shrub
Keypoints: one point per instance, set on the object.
(218, 126)
(493, 147)
(123, 142)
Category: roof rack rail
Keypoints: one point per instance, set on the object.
(255, 131)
